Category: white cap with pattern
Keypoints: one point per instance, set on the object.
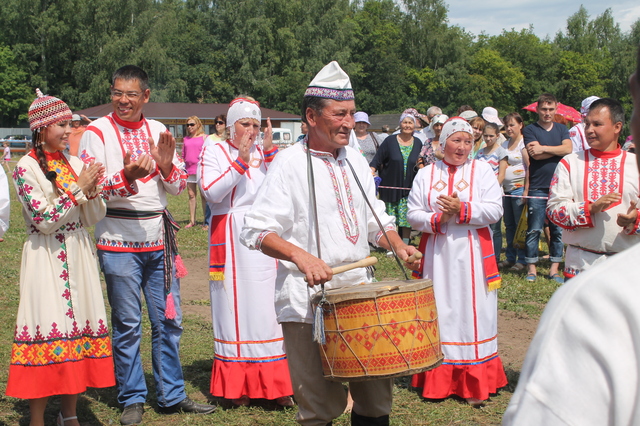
(331, 83)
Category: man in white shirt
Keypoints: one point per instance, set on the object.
(583, 365)
(591, 189)
(282, 225)
(134, 244)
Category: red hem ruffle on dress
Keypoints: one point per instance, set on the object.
(67, 378)
(257, 380)
(465, 381)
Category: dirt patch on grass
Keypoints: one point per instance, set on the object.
(194, 289)
(514, 335)
(514, 331)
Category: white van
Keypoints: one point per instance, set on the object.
(282, 137)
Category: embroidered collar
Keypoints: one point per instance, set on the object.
(65, 175)
(342, 153)
(452, 165)
(605, 154)
(53, 155)
(128, 124)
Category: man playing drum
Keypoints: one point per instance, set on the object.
(282, 224)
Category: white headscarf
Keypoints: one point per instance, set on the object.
(406, 115)
(440, 118)
(454, 125)
(240, 108)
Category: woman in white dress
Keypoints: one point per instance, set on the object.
(249, 360)
(453, 202)
(61, 344)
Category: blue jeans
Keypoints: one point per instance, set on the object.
(207, 215)
(513, 208)
(128, 275)
(537, 214)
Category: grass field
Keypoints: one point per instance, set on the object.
(100, 407)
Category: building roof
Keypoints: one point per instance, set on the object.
(181, 111)
(378, 120)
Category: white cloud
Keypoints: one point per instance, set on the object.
(547, 16)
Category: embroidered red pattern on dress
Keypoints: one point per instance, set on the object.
(37, 349)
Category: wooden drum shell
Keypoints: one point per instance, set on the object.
(380, 330)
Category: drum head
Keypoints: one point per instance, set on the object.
(370, 290)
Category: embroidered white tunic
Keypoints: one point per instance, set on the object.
(578, 138)
(107, 140)
(467, 311)
(579, 180)
(249, 347)
(346, 225)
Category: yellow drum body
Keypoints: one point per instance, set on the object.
(379, 330)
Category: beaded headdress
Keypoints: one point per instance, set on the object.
(46, 110)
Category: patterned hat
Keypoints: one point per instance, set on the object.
(454, 125)
(331, 83)
(240, 108)
(46, 110)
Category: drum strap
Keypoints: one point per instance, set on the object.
(318, 315)
(384, 232)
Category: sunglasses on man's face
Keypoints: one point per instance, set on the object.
(191, 124)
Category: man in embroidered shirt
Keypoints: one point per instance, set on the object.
(135, 243)
(594, 193)
(582, 365)
(282, 225)
(546, 142)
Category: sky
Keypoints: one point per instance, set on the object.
(547, 16)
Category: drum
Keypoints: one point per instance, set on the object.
(379, 330)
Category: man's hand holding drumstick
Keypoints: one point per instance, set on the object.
(315, 269)
(404, 251)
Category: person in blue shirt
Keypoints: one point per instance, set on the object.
(546, 142)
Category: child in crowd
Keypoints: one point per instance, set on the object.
(496, 156)
(5, 205)
(6, 157)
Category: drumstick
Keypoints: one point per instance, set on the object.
(367, 261)
(415, 256)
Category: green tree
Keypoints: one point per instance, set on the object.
(498, 77)
(381, 84)
(15, 95)
(579, 77)
(536, 59)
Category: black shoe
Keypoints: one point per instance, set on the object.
(358, 420)
(132, 414)
(188, 405)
